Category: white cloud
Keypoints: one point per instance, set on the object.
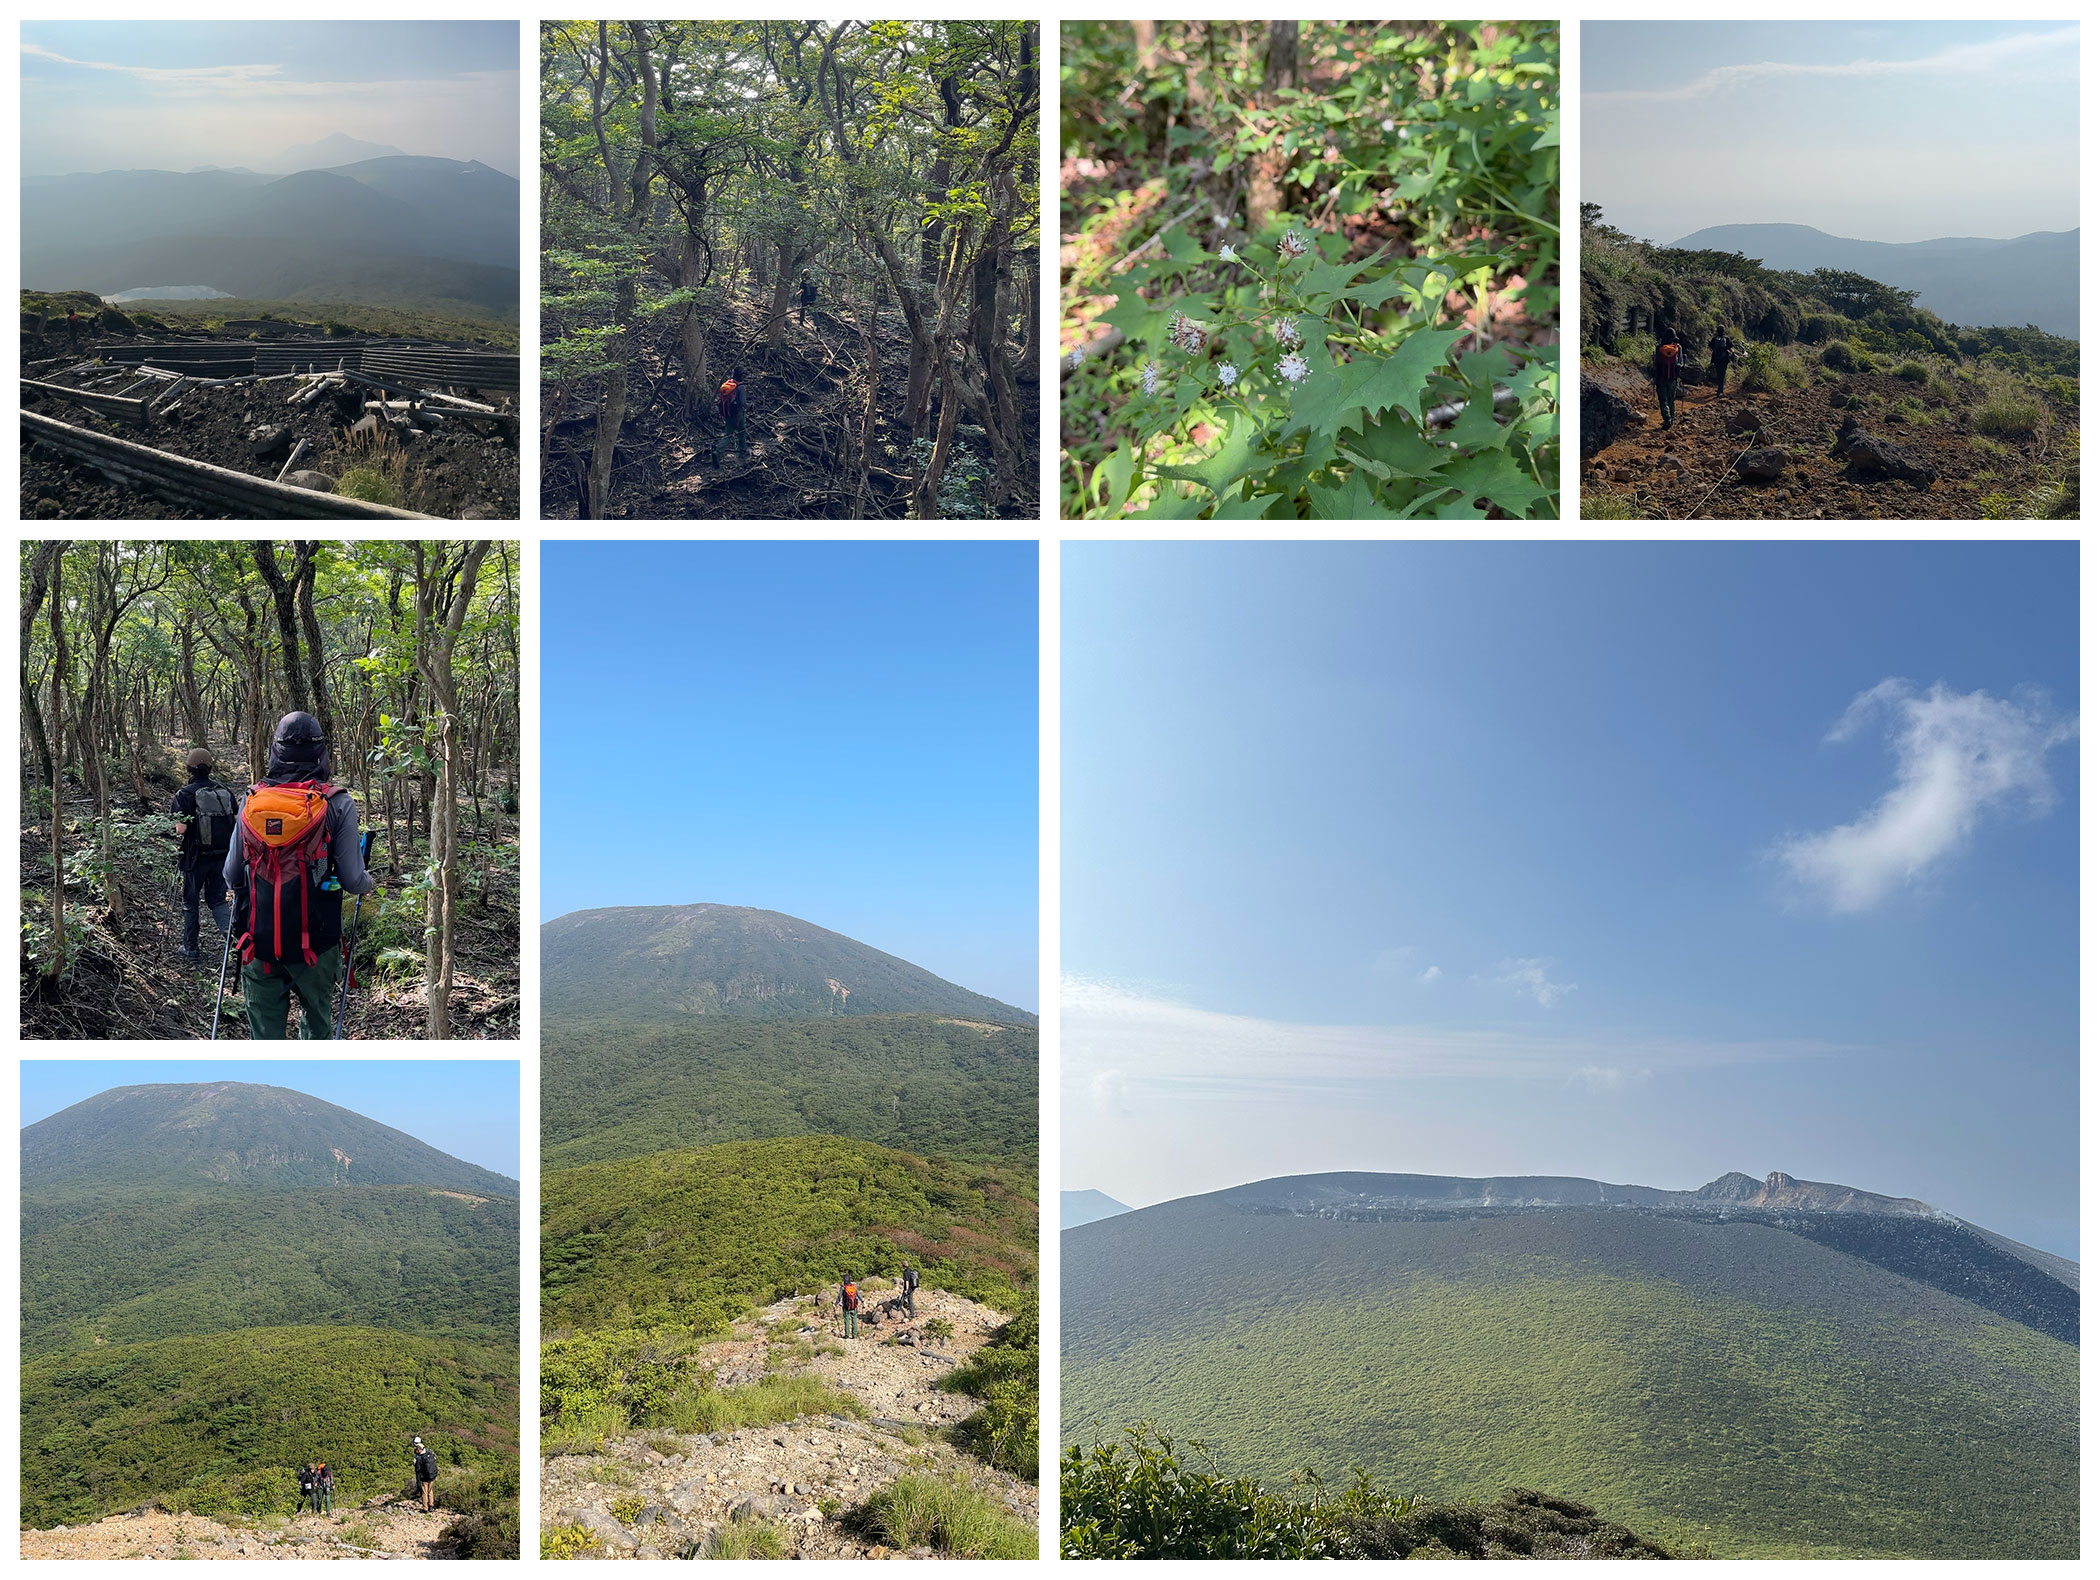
(2054, 53)
(1117, 1044)
(1958, 757)
(1528, 979)
(1433, 974)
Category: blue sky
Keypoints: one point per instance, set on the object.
(1638, 862)
(174, 95)
(1885, 131)
(842, 731)
(467, 1108)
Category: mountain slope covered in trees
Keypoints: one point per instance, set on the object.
(1774, 1381)
(204, 1309)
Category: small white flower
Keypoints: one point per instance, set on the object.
(1287, 335)
(1078, 355)
(1292, 368)
(1221, 220)
(1228, 375)
(1186, 333)
(1149, 377)
(1387, 123)
(1225, 252)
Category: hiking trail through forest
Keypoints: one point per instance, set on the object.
(387, 1528)
(802, 419)
(655, 1493)
(130, 983)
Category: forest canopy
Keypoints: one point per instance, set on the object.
(703, 183)
(136, 653)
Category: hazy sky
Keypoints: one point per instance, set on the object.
(174, 95)
(466, 1108)
(842, 731)
(1634, 862)
(1877, 130)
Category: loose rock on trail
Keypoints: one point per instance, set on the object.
(799, 1476)
(388, 1530)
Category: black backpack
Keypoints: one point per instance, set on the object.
(216, 811)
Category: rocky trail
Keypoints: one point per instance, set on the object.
(659, 1494)
(387, 1529)
(1688, 472)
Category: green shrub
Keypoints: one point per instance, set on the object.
(370, 485)
(1939, 391)
(1602, 506)
(1843, 356)
(745, 1539)
(2063, 391)
(567, 1541)
(702, 1407)
(1913, 372)
(2007, 416)
(947, 1514)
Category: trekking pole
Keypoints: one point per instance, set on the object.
(342, 998)
(225, 954)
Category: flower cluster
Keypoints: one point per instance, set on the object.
(1287, 335)
(1292, 368)
(1228, 374)
(1293, 246)
(1149, 377)
(1185, 333)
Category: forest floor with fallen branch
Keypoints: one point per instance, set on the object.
(804, 406)
(126, 979)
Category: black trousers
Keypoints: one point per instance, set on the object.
(208, 883)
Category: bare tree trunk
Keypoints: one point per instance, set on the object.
(316, 655)
(1265, 181)
(441, 610)
(55, 967)
(287, 624)
(42, 560)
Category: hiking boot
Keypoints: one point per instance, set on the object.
(188, 954)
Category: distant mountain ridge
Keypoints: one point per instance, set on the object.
(652, 963)
(1967, 280)
(337, 148)
(411, 228)
(1075, 1207)
(232, 1133)
(1770, 1368)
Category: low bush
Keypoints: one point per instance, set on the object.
(947, 1514)
(1843, 356)
(2007, 415)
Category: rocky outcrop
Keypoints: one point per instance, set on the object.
(1604, 417)
(384, 1530)
(1871, 459)
(1765, 465)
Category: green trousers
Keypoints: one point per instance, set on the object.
(268, 996)
(852, 1324)
(731, 437)
(1666, 397)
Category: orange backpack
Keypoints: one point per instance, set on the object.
(1667, 357)
(852, 1297)
(728, 402)
(284, 838)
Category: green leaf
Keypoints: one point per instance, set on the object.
(1476, 427)
(1494, 476)
(1119, 469)
(1227, 464)
(1327, 403)
(1353, 501)
(1143, 323)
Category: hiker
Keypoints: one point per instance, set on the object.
(809, 297)
(729, 406)
(426, 1474)
(324, 1489)
(1719, 350)
(1669, 367)
(206, 812)
(309, 1479)
(911, 1291)
(293, 857)
(849, 1306)
(73, 329)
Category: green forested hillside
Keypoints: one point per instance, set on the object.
(643, 963)
(927, 1085)
(1727, 1384)
(220, 1425)
(690, 1239)
(119, 1268)
(231, 1133)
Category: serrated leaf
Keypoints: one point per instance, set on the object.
(1325, 404)
(1143, 323)
(1476, 427)
(1395, 444)
(1171, 505)
(1352, 501)
(1117, 471)
(1226, 465)
(1492, 475)
(1238, 509)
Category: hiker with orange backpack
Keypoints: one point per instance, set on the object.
(729, 406)
(849, 1305)
(1668, 370)
(295, 854)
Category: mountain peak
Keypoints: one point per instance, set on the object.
(337, 148)
(238, 1133)
(709, 960)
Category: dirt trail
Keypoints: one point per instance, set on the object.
(1684, 473)
(383, 1531)
(798, 1476)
